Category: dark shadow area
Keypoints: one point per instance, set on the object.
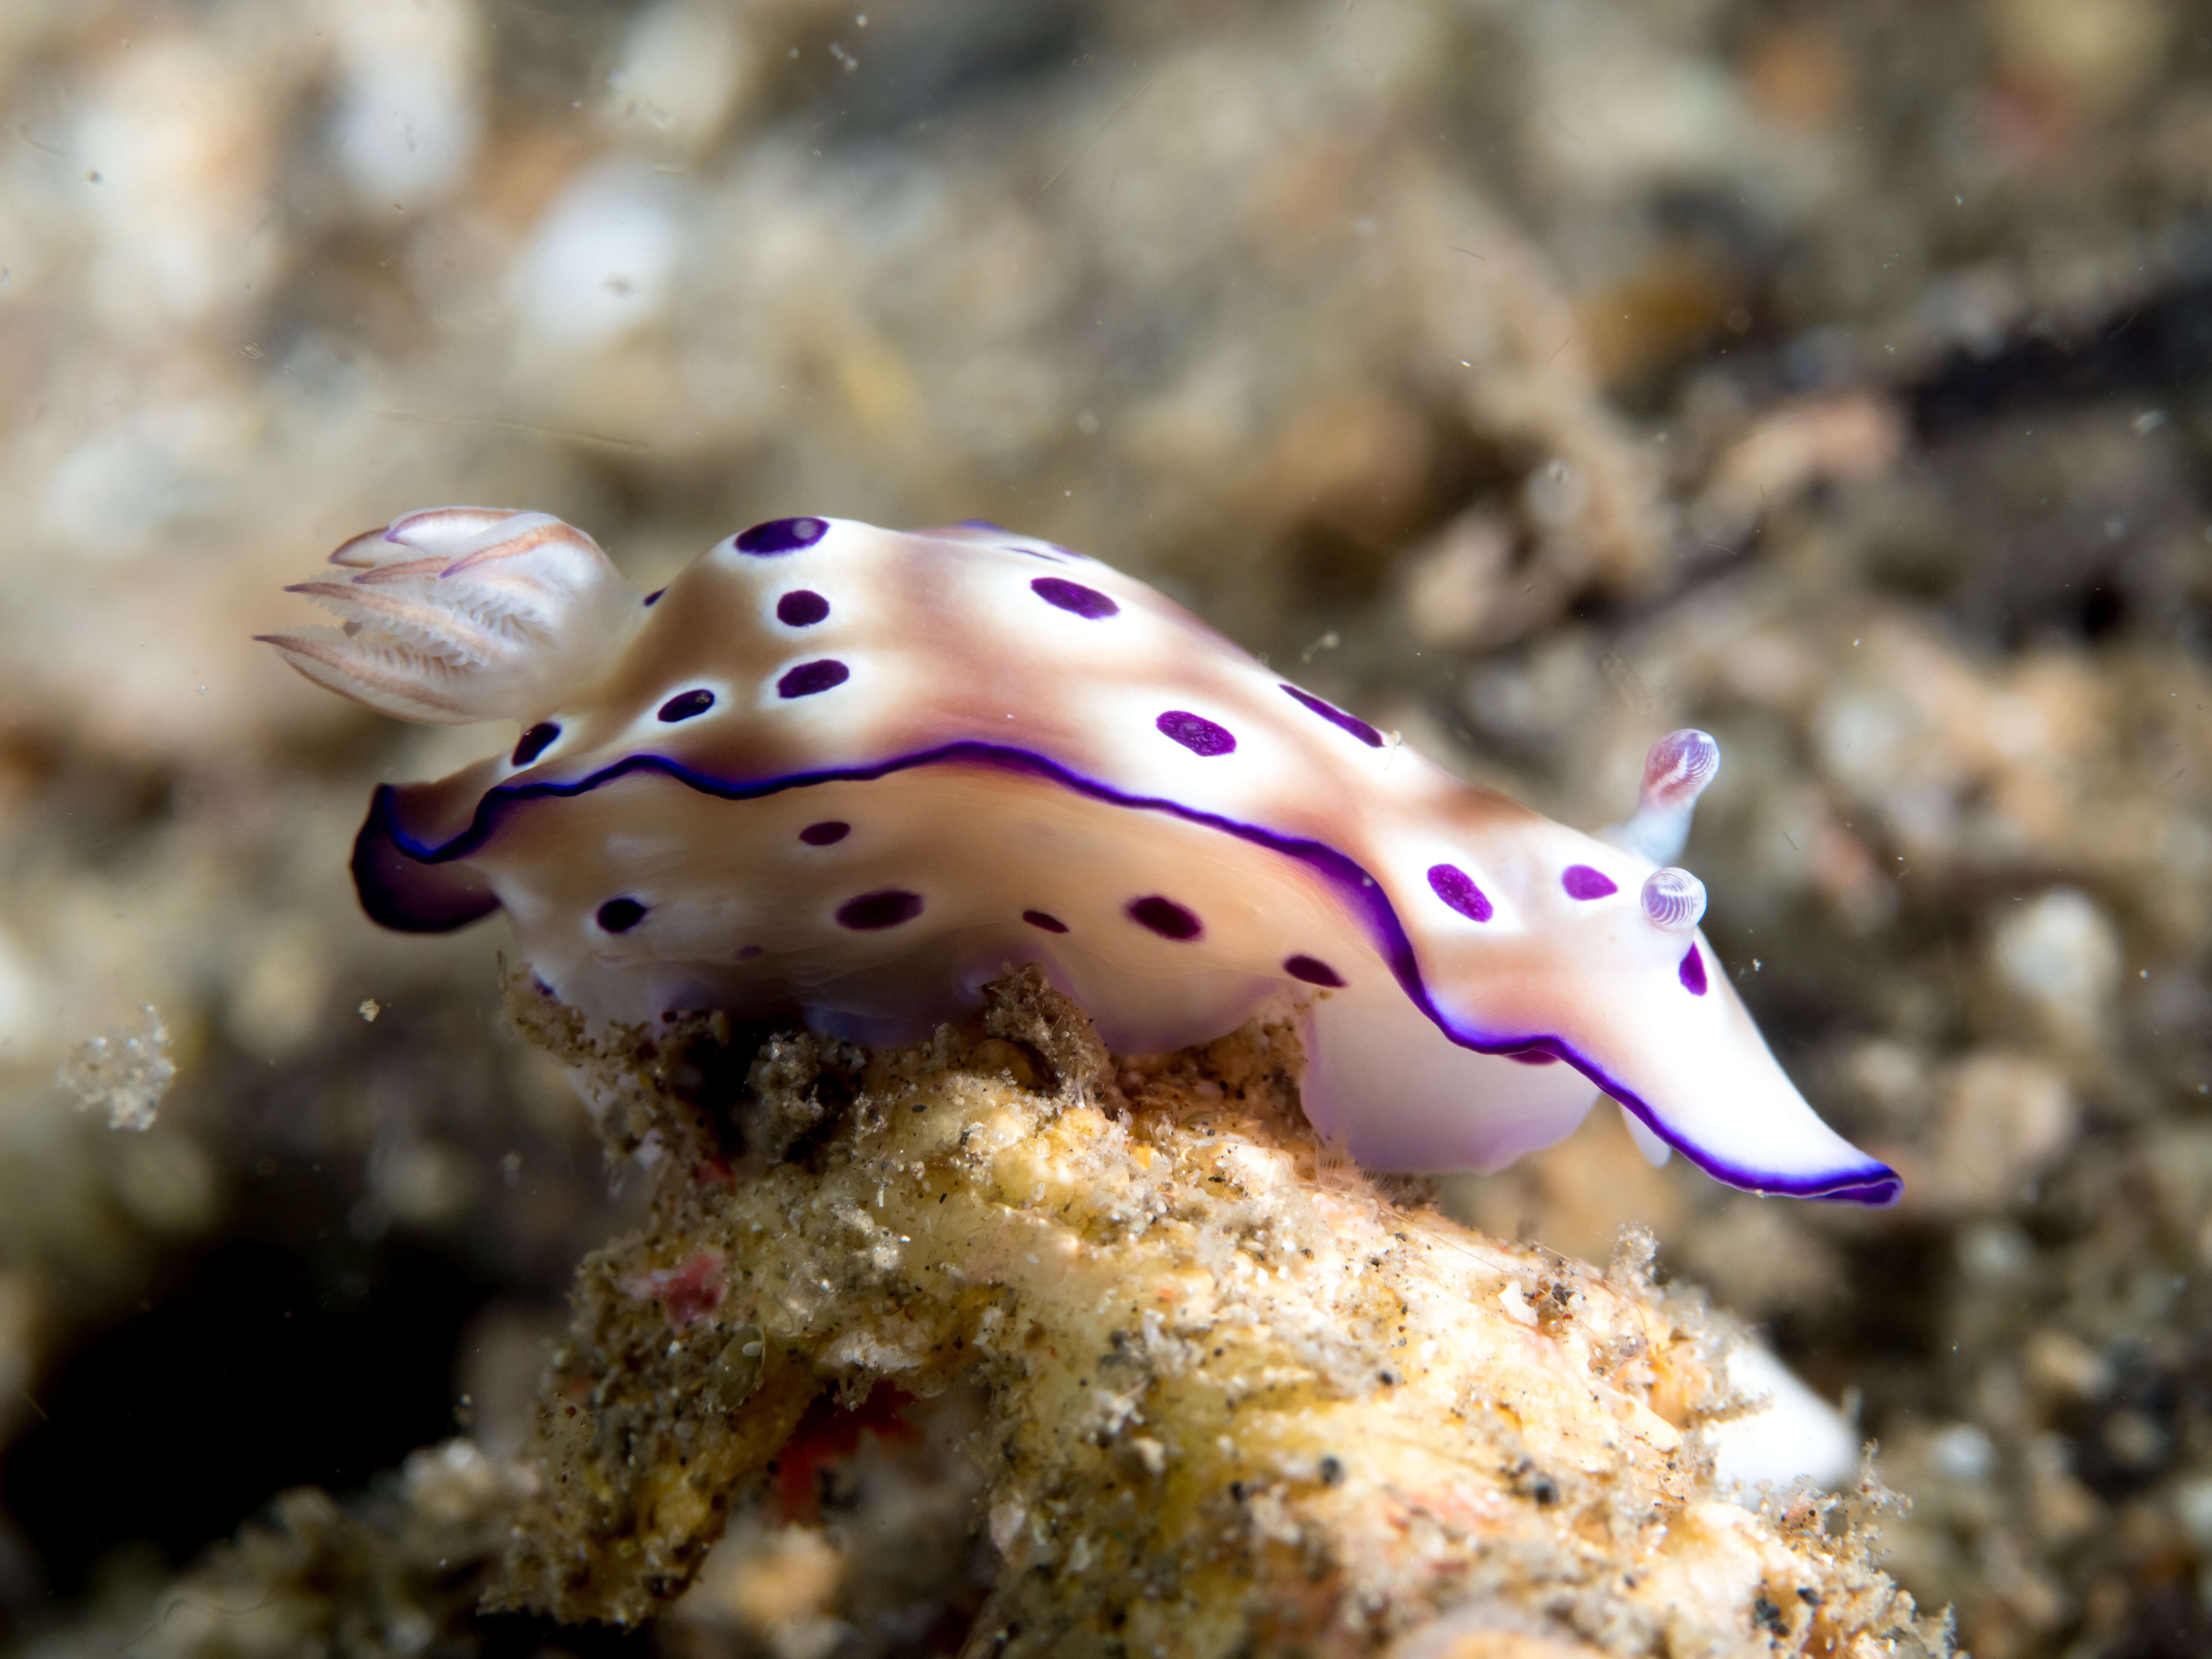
(2163, 344)
(261, 1369)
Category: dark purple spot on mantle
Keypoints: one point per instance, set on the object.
(1313, 970)
(1583, 882)
(810, 677)
(1050, 923)
(980, 524)
(654, 598)
(1164, 917)
(620, 916)
(1456, 888)
(1692, 972)
(801, 608)
(1533, 1056)
(746, 952)
(535, 741)
(1335, 716)
(778, 536)
(825, 834)
(873, 910)
(1074, 596)
(685, 705)
(1195, 732)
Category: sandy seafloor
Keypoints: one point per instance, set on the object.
(1531, 378)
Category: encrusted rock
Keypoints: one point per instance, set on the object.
(1020, 1348)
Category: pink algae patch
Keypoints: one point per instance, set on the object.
(829, 1434)
(685, 1293)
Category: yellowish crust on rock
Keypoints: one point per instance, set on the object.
(1236, 1397)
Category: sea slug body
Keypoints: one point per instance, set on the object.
(849, 775)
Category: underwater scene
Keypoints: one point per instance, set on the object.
(1006, 827)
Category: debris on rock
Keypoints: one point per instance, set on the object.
(1128, 1359)
(125, 1073)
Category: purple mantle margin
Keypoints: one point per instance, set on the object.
(406, 885)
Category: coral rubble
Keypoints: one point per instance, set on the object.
(394, 1572)
(1204, 1386)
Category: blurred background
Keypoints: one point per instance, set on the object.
(1532, 376)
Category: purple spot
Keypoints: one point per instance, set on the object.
(1086, 602)
(1456, 888)
(654, 598)
(781, 536)
(1692, 972)
(980, 524)
(620, 916)
(873, 910)
(535, 741)
(686, 704)
(1583, 882)
(1164, 917)
(746, 952)
(1313, 970)
(1533, 1056)
(1335, 716)
(825, 834)
(1195, 732)
(1050, 923)
(810, 677)
(801, 608)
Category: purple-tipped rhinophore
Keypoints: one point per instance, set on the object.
(1674, 898)
(1675, 773)
(1680, 766)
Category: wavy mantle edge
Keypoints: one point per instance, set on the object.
(378, 879)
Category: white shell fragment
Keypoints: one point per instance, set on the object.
(1791, 1435)
(847, 776)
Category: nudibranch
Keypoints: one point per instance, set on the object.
(848, 776)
